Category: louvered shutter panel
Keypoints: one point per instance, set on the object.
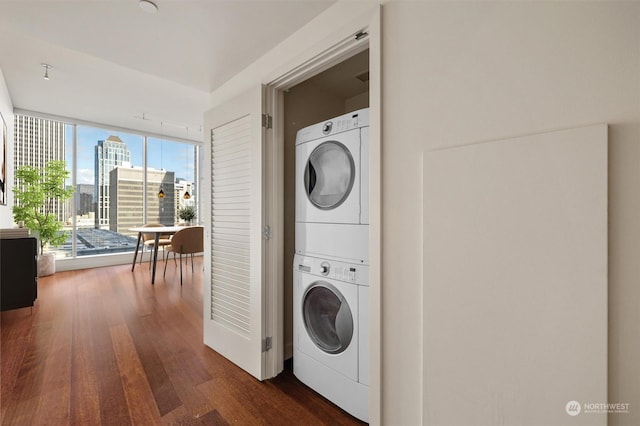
(230, 222)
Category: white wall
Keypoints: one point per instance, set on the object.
(6, 107)
(456, 73)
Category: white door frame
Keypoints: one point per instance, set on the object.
(365, 33)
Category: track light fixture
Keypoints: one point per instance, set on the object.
(46, 70)
(161, 192)
(186, 195)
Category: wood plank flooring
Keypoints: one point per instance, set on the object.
(105, 347)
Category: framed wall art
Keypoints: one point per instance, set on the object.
(4, 184)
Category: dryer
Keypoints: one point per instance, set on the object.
(332, 188)
(330, 329)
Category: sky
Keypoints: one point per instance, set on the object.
(171, 156)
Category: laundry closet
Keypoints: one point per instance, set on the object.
(328, 339)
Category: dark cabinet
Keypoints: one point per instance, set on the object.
(18, 272)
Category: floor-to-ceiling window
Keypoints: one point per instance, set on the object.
(121, 179)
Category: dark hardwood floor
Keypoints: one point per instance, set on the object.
(105, 347)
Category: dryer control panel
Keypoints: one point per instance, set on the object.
(332, 269)
(353, 120)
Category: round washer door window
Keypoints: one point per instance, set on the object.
(329, 175)
(327, 318)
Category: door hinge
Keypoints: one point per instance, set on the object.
(360, 35)
(267, 121)
(266, 344)
(266, 232)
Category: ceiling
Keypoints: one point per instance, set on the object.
(113, 63)
(345, 79)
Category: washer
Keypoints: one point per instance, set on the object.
(332, 188)
(331, 340)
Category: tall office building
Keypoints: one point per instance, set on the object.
(126, 205)
(38, 141)
(109, 154)
(85, 196)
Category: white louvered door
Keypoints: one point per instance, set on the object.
(233, 297)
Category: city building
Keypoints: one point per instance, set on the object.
(85, 206)
(36, 142)
(109, 154)
(126, 205)
(86, 203)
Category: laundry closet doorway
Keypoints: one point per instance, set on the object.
(338, 90)
(345, 79)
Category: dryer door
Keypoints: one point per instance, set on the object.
(328, 179)
(329, 175)
(327, 318)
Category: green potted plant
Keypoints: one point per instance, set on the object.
(187, 213)
(35, 195)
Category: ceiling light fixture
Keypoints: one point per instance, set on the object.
(161, 192)
(46, 71)
(186, 193)
(148, 6)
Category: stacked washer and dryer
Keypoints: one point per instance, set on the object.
(331, 273)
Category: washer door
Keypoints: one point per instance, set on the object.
(327, 318)
(329, 175)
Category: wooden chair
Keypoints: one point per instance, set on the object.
(189, 240)
(149, 240)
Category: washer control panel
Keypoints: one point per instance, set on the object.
(346, 274)
(325, 268)
(332, 269)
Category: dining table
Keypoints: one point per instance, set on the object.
(157, 231)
